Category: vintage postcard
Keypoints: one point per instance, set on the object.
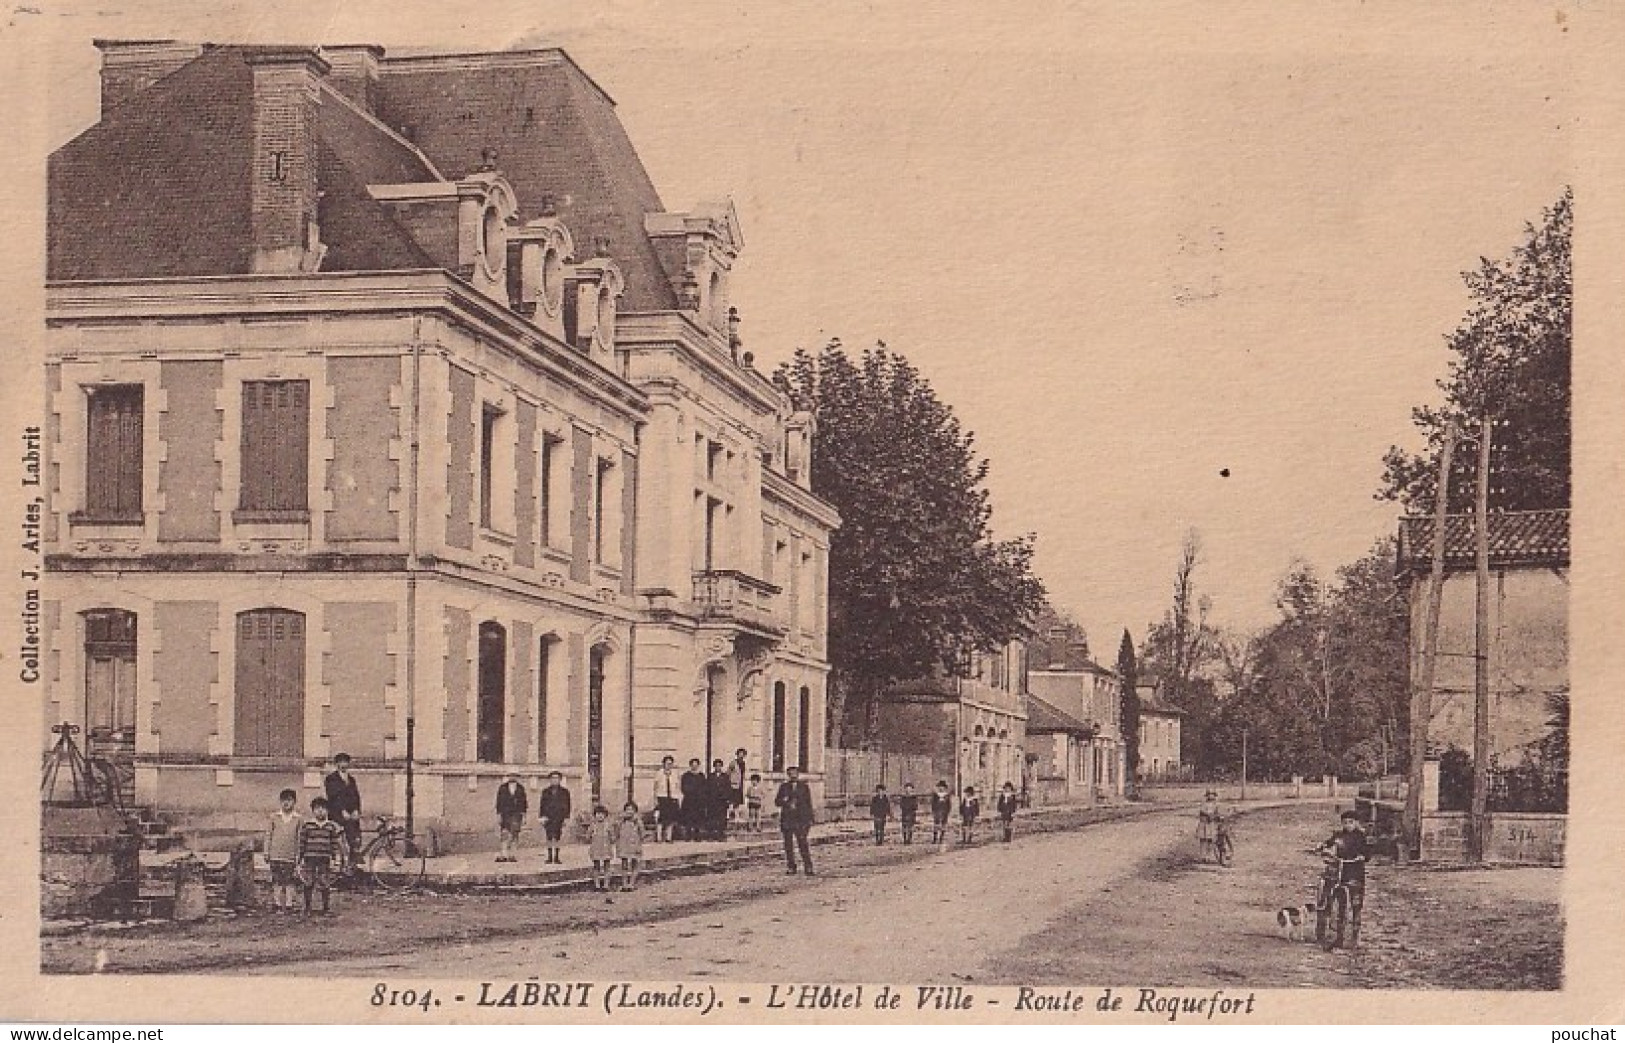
(838, 512)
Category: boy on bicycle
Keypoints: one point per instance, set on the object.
(1346, 852)
(1212, 822)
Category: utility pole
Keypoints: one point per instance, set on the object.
(1481, 642)
(1422, 695)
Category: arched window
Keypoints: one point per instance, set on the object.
(776, 746)
(491, 708)
(804, 730)
(595, 719)
(270, 690)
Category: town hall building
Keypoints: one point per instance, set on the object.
(389, 408)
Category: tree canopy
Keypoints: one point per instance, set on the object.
(1510, 359)
(1325, 688)
(915, 578)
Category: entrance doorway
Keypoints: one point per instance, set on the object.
(110, 647)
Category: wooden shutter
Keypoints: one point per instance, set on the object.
(293, 444)
(275, 444)
(113, 451)
(270, 692)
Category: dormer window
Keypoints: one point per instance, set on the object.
(493, 243)
(716, 301)
(552, 280)
(604, 334)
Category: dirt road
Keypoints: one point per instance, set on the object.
(1123, 902)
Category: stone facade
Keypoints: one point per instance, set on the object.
(401, 460)
(1092, 694)
(1159, 736)
(976, 722)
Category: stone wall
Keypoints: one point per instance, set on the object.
(1515, 838)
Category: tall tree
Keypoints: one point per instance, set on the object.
(915, 578)
(1322, 690)
(1177, 650)
(1510, 359)
(1128, 674)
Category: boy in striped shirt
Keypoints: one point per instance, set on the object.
(319, 840)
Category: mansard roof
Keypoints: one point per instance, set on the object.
(160, 186)
(554, 134)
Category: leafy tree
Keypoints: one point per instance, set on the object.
(1128, 673)
(1511, 360)
(915, 578)
(1324, 689)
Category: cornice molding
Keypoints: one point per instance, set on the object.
(260, 296)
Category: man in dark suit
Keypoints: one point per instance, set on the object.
(344, 805)
(795, 804)
(695, 791)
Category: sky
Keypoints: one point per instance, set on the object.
(1134, 247)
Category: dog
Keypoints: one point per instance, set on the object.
(1294, 921)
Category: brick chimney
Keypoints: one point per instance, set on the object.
(355, 72)
(131, 66)
(287, 82)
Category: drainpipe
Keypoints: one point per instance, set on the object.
(411, 579)
(629, 568)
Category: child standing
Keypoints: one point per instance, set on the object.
(970, 808)
(1007, 811)
(512, 804)
(319, 844)
(601, 847)
(282, 849)
(553, 808)
(880, 811)
(942, 805)
(629, 845)
(908, 807)
(753, 803)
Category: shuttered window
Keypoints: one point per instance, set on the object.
(270, 696)
(776, 746)
(803, 732)
(276, 445)
(113, 452)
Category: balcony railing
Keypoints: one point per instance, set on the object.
(730, 596)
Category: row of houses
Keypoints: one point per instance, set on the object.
(389, 411)
(1055, 732)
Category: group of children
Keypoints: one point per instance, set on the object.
(307, 853)
(303, 853)
(942, 806)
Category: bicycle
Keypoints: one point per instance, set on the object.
(394, 859)
(1333, 902)
(1224, 848)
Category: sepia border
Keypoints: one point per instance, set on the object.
(1595, 913)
